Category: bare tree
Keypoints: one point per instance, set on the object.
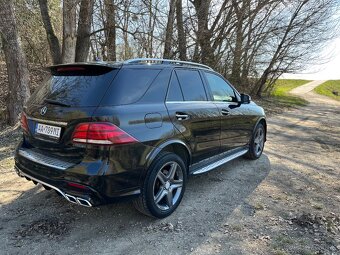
(211, 29)
(69, 31)
(110, 11)
(169, 29)
(84, 30)
(126, 20)
(299, 31)
(18, 76)
(236, 67)
(52, 39)
(203, 33)
(182, 45)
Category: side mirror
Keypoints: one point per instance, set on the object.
(245, 99)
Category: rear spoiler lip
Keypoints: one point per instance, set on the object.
(112, 65)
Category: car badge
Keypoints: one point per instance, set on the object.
(43, 110)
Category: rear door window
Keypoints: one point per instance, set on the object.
(75, 86)
(192, 85)
(129, 86)
(174, 92)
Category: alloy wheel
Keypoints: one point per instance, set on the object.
(259, 141)
(167, 186)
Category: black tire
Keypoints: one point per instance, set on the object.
(168, 190)
(256, 144)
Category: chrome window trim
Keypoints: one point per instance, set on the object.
(189, 102)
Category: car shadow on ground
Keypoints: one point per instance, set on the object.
(40, 221)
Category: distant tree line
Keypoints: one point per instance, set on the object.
(251, 42)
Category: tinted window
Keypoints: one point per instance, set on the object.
(129, 86)
(174, 92)
(192, 85)
(84, 88)
(220, 90)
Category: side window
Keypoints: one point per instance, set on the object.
(129, 85)
(220, 90)
(192, 85)
(174, 92)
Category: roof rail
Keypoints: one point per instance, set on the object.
(165, 61)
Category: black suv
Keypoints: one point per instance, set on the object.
(95, 132)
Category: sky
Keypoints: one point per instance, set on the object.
(329, 67)
(328, 70)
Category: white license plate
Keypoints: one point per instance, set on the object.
(48, 130)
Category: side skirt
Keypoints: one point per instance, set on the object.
(216, 161)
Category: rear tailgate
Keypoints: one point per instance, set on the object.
(69, 96)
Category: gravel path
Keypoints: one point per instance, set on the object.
(287, 202)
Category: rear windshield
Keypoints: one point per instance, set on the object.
(75, 87)
(129, 86)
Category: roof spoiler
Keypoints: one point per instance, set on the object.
(95, 68)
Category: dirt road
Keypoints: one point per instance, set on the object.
(287, 202)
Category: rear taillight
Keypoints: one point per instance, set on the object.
(100, 134)
(24, 123)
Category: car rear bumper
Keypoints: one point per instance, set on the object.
(87, 183)
(84, 200)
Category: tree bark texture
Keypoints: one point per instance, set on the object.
(84, 30)
(182, 45)
(52, 39)
(203, 33)
(69, 31)
(18, 75)
(169, 30)
(238, 50)
(110, 12)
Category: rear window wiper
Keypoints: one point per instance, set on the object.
(55, 102)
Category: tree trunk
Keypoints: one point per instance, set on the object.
(236, 68)
(52, 39)
(127, 50)
(18, 76)
(182, 45)
(69, 31)
(110, 11)
(260, 84)
(149, 51)
(203, 33)
(169, 29)
(84, 30)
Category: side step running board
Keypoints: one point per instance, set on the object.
(220, 162)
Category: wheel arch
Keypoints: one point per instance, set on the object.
(263, 121)
(176, 146)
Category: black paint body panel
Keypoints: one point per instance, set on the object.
(113, 171)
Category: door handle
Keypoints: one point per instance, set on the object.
(182, 116)
(225, 112)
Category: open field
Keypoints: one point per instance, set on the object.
(281, 94)
(330, 89)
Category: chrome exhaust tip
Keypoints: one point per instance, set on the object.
(78, 200)
(70, 198)
(84, 202)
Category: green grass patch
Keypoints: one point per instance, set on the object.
(281, 92)
(330, 89)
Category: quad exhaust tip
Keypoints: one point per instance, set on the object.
(78, 200)
(68, 197)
